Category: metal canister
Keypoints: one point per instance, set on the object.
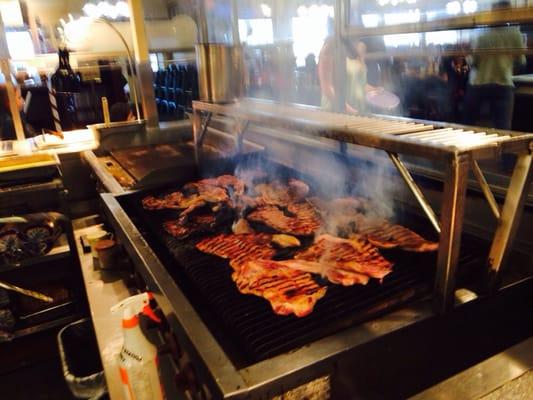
(220, 72)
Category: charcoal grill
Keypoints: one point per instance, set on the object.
(238, 345)
(457, 146)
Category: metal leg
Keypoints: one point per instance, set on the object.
(196, 128)
(240, 129)
(510, 218)
(451, 222)
(406, 175)
(485, 188)
(199, 131)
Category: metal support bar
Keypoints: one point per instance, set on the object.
(241, 127)
(12, 98)
(199, 131)
(485, 188)
(510, 218)
(407, 177)
(452, 211)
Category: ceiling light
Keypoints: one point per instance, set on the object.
(469, 6)
(453, 7)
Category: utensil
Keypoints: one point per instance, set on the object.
(26, 292)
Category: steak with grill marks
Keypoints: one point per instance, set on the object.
(302, 219)
(196, 224)
(335, 272)
(385, 235)
(289, 291)
(227, 182)
(356, 255)
(238, 248)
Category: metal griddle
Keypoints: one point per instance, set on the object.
(154, 165)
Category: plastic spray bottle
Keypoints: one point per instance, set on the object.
(138, 357)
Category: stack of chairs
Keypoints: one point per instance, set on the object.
(175, 89)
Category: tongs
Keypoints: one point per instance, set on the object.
(26, 292)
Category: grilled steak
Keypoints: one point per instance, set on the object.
(197, 224)
(289, 291)
(354, 255)
(302, 221)
(335, 272)
(387, 236)
(285, 241)
(238, 248)
(174, 200)
(229, 183)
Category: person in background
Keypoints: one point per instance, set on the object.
(121, 112)
(326, 67)
(357, 85)
(7, 128)
(491, 77)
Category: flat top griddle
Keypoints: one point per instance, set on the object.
(245, 325)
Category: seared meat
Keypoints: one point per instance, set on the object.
(238, 248)
(303, 221)
(174, 200)
(387, 236)
(197, 224)
(335, 272)
(289, 291)
(229, 183)
(355, 255)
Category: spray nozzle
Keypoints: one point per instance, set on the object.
(137, 304)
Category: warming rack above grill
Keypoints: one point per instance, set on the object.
(459, 147)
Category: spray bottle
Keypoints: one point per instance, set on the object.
(138, 357)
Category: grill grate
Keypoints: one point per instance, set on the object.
(247, 322)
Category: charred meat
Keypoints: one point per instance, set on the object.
(355, 255)
(288, 290)
(302, 220)
(197, 224)
(387, 236)
(238, 248)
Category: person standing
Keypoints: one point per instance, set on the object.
(491, 77)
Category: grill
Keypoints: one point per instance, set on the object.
(459, 148)
(246, 324)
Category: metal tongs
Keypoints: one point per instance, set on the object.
(26, 292)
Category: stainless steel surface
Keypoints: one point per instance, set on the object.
(261, 380)
(451, 222)
(101, 131)
(110, 184)
(405, 174)
(486, 377)
(220, 72)
(26, 292)
(485, 188)
(510, 217)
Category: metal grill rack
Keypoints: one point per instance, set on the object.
(459, 147)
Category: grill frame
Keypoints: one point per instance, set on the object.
(213, 366)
